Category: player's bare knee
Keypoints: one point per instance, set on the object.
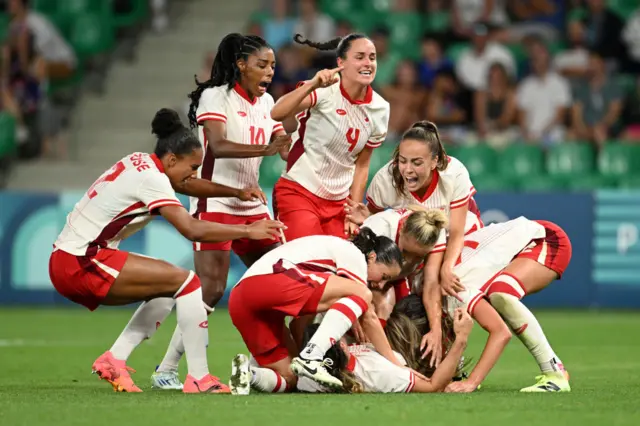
(212, 294)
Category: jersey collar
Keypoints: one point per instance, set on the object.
(367, 96)
(432, 187)
(157, 162)
(240, 91)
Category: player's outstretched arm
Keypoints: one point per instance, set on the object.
(374, 331)
(221, 147)
(211, 232)
(202, 188)
(432, 301)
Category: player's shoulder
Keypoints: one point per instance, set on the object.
(454, 168)
(217, 92)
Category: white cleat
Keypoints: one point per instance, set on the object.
(166, 380)
(315, 370)
(240, 380)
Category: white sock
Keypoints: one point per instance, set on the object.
(267, 380)
(338, 320)
(192, 321)
(142, 325)
(175, 350)
(525, 325)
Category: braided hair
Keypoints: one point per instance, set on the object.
(225, 70)
(340, 44)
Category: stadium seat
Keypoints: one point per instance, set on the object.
(569, 159)
(78, 7)
(437, 22)
(380, 157)
(541, 183)
(406, 30)
(623, 8)
(455, 50)
(270, 171)
(521, 160)
(479, 160)
(630, 182)
(617, 160)
(91, 35)
(7, 135)
(46, 7)
(338, 9)
(589, 182)
(492, 183)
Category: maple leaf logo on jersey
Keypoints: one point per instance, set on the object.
(204, 324)
(242, 113)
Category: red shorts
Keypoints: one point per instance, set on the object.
(241, 246)
(258, 306)
(552, 251)
(305, 213)
(86, 280)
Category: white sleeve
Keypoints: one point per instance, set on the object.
(319, 95)
(441, 243)
(212, 106)
(381, 193)
(350, 262)
(155, 191)
(380, 130)
(462, 188)
(391, 378)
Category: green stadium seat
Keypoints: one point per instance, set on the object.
(78, 7)
(380, 157)
(406, 31)
(589, 182)
(259, 17)
(479, 160)
(437, 22)
(521, 160)
(623, 8)
(7, 135)
(569, 159)
(617, 160)
(542, 183)
(630, 182)
(91, 35)
(46, 7)
(270, 171)
(455, 51)
(338, 9)
(4, 26)
(492, 183)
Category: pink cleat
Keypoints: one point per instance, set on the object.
(208, 384)
(116, 372)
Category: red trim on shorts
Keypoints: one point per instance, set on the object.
(430, 189)
(206, 172)
(298, 146)
(240, 91)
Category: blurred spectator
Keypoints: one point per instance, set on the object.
(313, 24)
(432, 61)
(387, 61)
(159, 15)
(542, 18)
(573, 62)
(255, 28)
(466, 13)
(495, 109)
(343, 28)
(404, 5)
(279, 30)
(542, 99)
(597, 105)
(60, 59)
(406, 97)
(449, 106)
(631, 114)
(289, 71)
(604, 30)
(631, 38)
(474, 62)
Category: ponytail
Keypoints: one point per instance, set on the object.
(424, 131)
(340, 44)
(387, 252)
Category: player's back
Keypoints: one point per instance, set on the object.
(247, 122)
(377, 374)
(330, 136)
(117, 205)
(316, 252)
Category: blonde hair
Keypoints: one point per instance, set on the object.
(425, 225)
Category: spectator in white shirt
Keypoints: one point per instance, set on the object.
(473, 65)
(466, 13)
(573, 62)
(313, 24)
(543, 99)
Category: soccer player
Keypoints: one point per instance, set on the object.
(420, 172)
(231, 114)
(498, 266)
(341, 120)
(362, 369)
(303, 277)
(87, 267)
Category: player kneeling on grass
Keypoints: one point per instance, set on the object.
(498, 266)
(362, 369)
(306, 276)
(87, 267)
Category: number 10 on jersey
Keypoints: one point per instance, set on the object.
(257, 136)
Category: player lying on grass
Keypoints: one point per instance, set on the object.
(498, 266)
(87, 267)
(362, 369)
(307, 276)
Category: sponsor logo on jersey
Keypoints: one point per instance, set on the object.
(242, 113)
(340, 111)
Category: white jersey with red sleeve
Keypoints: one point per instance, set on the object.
(322, 253)
(389, 223)
(118, 204)
(330, 136)
(486, 252)
(247, 122)
(377, 374)
(449, 189)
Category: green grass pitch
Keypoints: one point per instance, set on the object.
(47, 354)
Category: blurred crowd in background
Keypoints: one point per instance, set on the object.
(486, 71)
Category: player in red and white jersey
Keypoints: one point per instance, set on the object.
(304, 277)
(87, 267)
(231, 112)
(341, 120)
(498, 266)
(362, 369)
